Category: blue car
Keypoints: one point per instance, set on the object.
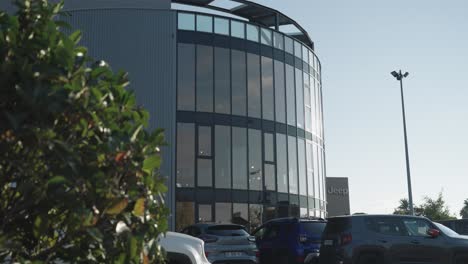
(290, 240)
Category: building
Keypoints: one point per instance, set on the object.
(239, 99)
(337, 196)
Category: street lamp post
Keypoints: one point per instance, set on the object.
(399, 76)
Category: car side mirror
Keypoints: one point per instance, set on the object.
(434, 233)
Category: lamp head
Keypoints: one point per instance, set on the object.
(406, 74)
(395, 74)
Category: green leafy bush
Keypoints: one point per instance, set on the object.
(78, 170)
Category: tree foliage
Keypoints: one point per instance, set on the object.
(78, 170)
(464, 210)
(434, 209)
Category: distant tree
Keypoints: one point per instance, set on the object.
(78, 180)
(434, 209)
(464, 210)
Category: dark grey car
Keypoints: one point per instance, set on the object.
(225, 243)
(395, 239)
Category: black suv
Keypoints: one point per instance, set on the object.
(381, 239)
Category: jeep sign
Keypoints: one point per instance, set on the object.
(337, 196)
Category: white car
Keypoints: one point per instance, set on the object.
(183, 249)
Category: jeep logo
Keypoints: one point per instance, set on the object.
(338, 191)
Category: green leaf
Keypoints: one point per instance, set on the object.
(151, 163)
(40, 226)
(135, 134)
(57, 180)
(117, 206)
(139, 208)
(75, 37)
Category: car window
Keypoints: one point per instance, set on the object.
(313, 228)
(227, 230)
(259, 232)
(447, 231)
(417, 227)
(386, 225)
(271, 232)
(195, 231)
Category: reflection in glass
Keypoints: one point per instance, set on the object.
(316, 173)
(302, 167)
(204, 23)
(281, 161)
(239, 89)
(185, 155)
(239, 158)
(240, 214)
(204, 173)
(237, 29)
(204, 213)
(266, 36)
(269, 147)
(270, 180)
(300, 99)
(290, 95)
(223, 212)
(297, 49)
(186, 77)
(288, 45)
(305, 54)
(223, 157)
(255, 215)
(280, 92)
(304, 212)
(222, 81)
(253, 85)
(185, 215)
(186, 21)
(255, 160)
(204, 141)
(313, 106)
(292, 164)
(310, 170)
(268, 95)
(278, 40)
(221, 26)
(308, 109)
(269, 212)
(204, 78)
(252, 32)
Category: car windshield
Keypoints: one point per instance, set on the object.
(227, 230)
(338, 225)
(447, 231)
(313, 228)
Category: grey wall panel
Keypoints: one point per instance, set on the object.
(143, 43)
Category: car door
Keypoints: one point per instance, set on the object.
(424, 249)
(263, 245)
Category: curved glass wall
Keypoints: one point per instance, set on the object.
(249, 124)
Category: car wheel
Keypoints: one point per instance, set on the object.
(369, 259)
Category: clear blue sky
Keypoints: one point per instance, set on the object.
(360, 42)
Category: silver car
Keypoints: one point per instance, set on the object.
(225, 243)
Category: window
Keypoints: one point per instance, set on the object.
(186, 77)
(268, 96)
(288, 45)
(223, 212)
(223, 157)
(240, 214)
(281, 161)
(316, 172)
(253, 82)
(310, 170)
(255, 160)
(185, 155)
(252, 33)
(299, 99)
(204, 23)
(204, 141)
(204, 78)
(204, 213)
(185, 214)
(308, 109)
(305, 54)
(298, 49)
(270, 180)
(255, 215)
(292, 164)
(391, 226)
(290, 96)
(278, 40)
(269, 147)
(239, 158)
(222, 81)
(266, 37)
(313, 106)
(417, 227)
(221, 26)
(204, 173)
(302, 167)
(186, 21)
(239, 90)
(304, 212)
(237, 29)
(280, 93)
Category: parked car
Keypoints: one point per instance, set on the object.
(225, 243)
(377, 239)
(289, 240)
(183, 249)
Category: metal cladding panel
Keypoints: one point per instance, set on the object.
(141, 42)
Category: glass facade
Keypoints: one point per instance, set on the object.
(249, 124)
